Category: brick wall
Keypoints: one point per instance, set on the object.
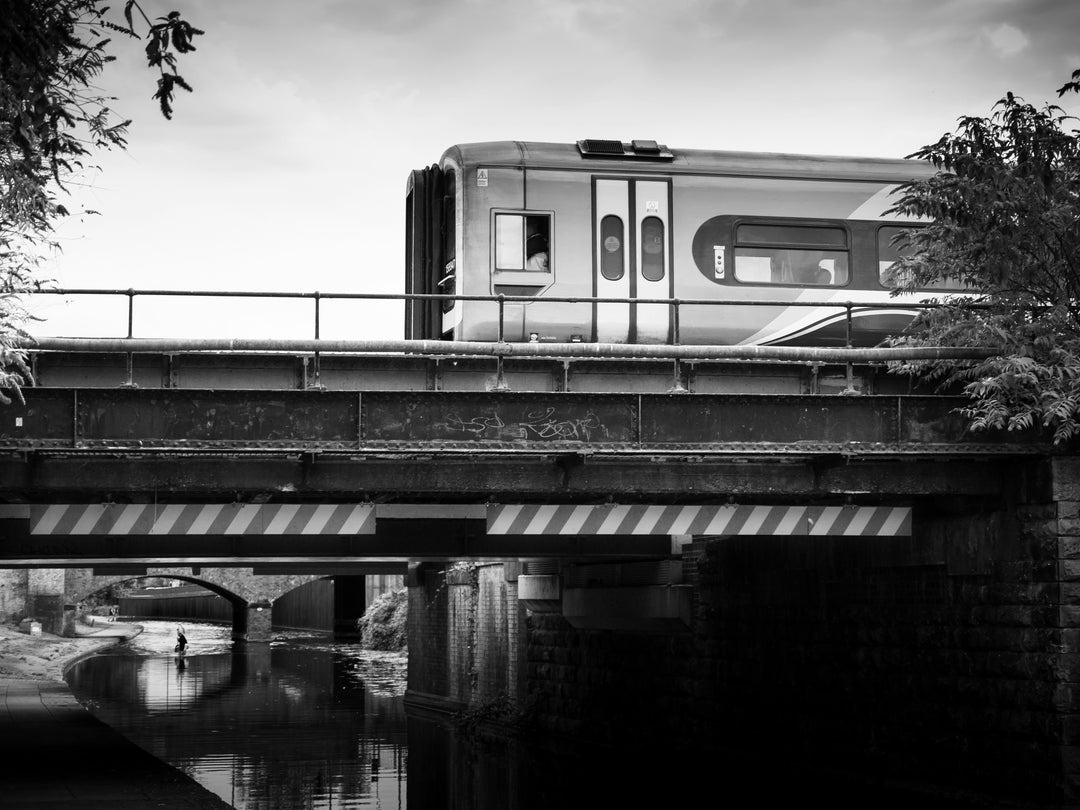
(492, 633)
(464, 634)
(428, 632)
(948, 659)
(462, 589)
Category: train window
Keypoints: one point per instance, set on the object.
(791, 254)
(889, 250)
(612, 241)
(652, 248)
(522, 242)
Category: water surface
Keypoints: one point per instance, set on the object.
(298, 723)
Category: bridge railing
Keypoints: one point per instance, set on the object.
(317, 345)
(676, 305)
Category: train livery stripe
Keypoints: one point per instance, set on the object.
(858, 521)
(202, 519)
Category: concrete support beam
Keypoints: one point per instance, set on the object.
(642, 609)
(540, 593)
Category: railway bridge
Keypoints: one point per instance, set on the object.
(758, 538)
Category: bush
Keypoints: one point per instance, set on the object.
(382, 627)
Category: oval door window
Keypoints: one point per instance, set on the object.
(652, 248)
(611, 248)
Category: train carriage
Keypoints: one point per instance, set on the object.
(784, 241)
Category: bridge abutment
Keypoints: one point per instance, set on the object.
(466, 640)
(950, 658)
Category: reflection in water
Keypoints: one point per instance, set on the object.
(298, 723)
(302, 723)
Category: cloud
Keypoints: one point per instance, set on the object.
(1008, 40)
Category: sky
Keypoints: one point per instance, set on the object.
(285, 169)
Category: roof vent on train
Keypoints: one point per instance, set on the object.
(635, 150)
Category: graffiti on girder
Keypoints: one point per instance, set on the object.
(537, 425)
(478, 425)
(545, 425)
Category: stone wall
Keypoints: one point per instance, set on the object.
(36, 593)
(13, 583)
(45, 598)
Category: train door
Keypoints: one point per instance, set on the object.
(632, 259)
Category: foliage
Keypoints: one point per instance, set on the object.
(52, 119)
(1005, 211)
(383, 625)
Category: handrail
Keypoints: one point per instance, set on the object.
(579, 299)
(676, 304)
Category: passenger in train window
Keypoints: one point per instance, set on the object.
(536, 248)
(810, 270)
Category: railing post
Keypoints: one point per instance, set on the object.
(130, 382)
(502, 312)
(677, 386)
(317, 363)
(849, 370)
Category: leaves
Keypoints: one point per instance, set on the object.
(52, 119)
(1005, 212)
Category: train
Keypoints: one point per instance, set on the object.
(593, 241)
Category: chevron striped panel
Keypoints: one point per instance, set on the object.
(195, 518)
(869, 521)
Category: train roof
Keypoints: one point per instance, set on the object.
(651, 157)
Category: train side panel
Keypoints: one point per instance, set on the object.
(545, 222)
(484, 190)
(710, 211)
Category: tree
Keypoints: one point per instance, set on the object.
(53, 119)
(1004, 211)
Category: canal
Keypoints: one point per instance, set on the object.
(297, 723)
(304, 723)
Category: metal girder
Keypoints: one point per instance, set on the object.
(176, 420)
(173, 445)
(142, 476)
